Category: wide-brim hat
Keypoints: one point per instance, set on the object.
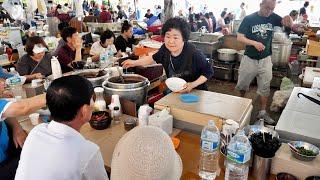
(145, 153)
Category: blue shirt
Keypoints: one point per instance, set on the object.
(4, 74)
(4, 138)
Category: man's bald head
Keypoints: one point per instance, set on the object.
(267, 7)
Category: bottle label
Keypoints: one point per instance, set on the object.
(237, 157)
(209, 145)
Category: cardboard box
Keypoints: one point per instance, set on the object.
(211, 106)
(313, 48)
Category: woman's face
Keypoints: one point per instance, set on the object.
(128, 33)
(173, 41)
(108, 42)
(38, 56)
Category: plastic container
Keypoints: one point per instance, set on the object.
(209, 151)
(56, 68)
(238, 154)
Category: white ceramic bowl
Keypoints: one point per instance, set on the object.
(175, 84)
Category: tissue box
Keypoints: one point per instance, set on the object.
(162, 120)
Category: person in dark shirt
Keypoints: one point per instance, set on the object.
(148, 15)
(90, 17)
(179, 57)
(125, 39)
(37, 62)
(71, 52)
(256, 31)
(303, 10)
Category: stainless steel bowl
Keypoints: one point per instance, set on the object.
(307, 146)
(96, 81)
(227, 54)
(130, 81)
(137, 95)
(252, 129)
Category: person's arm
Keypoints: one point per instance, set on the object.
(25, 106)
(202, 66)
(78, 46)
(146, 60)
(18, 134)
(33, 76)
(191, 85)
(258, 45)
(95, 170)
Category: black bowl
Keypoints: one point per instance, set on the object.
(100, 120)
(78, 64)
(313, 178)
(285, 176)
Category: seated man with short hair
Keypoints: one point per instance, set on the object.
(57, 150)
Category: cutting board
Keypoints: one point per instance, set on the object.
(211, 105)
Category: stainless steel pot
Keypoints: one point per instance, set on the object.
(281, 52)
(227, 54)
(95, 81)
(137, 95)
(130, 81)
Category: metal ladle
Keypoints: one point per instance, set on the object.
(120, 75)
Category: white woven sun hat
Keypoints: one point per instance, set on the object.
(145, 153)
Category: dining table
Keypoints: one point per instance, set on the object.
(188, 149)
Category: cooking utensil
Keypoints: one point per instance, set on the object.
(227, 54)
(120, 74)
(130, 81)
(295, 152)
(309, 97)
(252, 129)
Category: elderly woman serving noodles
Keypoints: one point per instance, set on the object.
(178, 57)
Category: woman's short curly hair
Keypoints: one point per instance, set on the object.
(178, 24)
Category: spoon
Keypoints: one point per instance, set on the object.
(293, 148)
(120, 74)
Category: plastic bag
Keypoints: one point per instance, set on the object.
(14, 9)
(286, 84)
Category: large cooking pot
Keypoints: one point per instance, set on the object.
(137, 93)
(130, 81)
(281, 52)
(95, 76)
(227, 54)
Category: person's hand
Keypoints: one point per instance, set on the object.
(119, 54)
(7, 94)
(128, 63)
(78, 43)
(19, 136)
(37, 76)
(259, 46)
(187, 88)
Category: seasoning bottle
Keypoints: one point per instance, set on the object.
(99, 104)
(116, 114)
(56, 68)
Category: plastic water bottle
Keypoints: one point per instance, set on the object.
(14, 71)
(238, 153)
(210, 140)
(104, 56)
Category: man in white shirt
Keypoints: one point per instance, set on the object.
(104, 45)
(57, 150)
